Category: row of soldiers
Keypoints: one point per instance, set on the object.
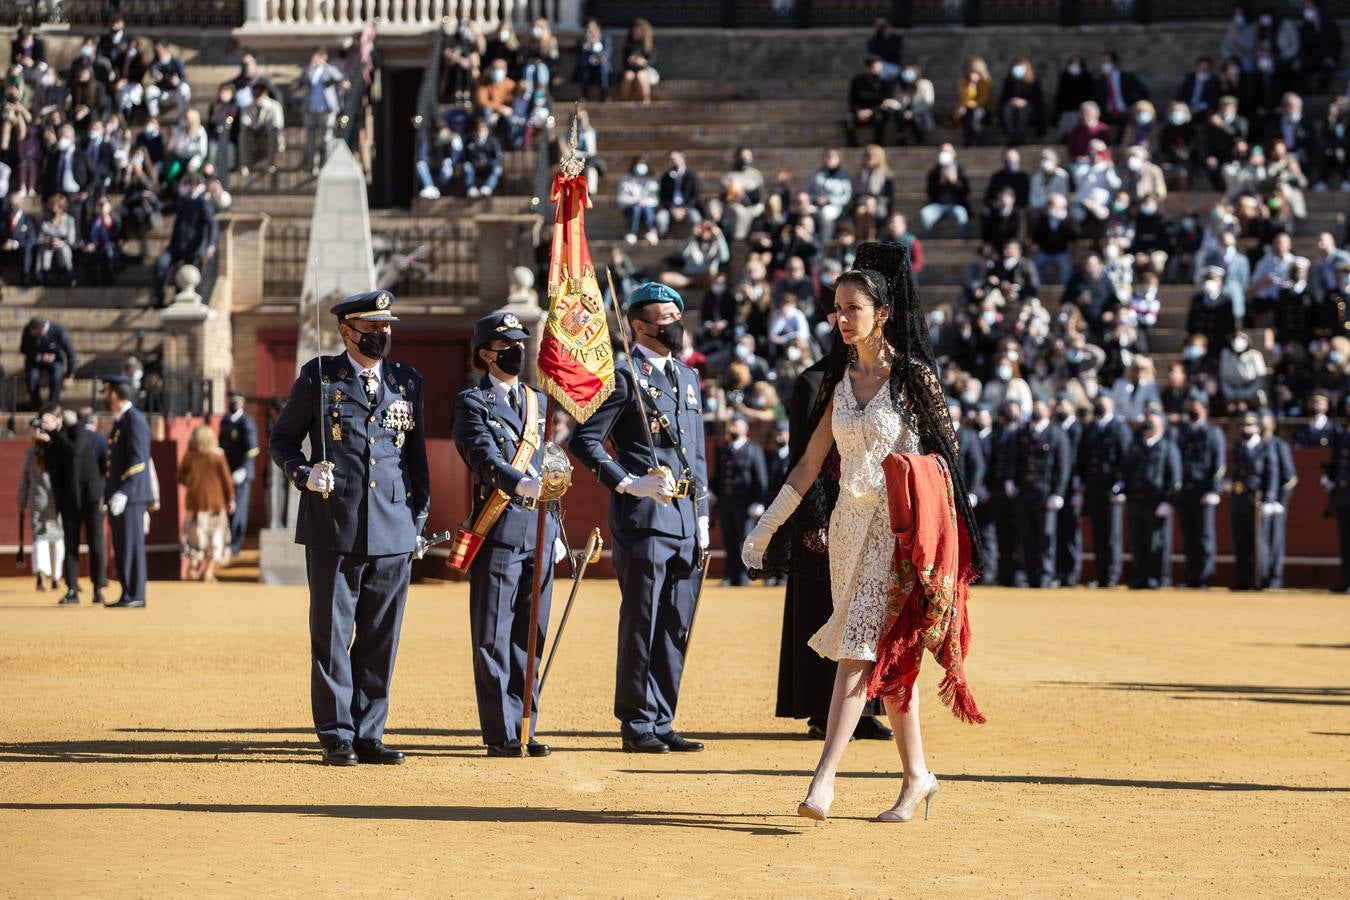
(1036, 480)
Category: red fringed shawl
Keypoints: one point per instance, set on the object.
(930, 575)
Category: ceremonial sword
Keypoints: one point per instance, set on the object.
(594, 544)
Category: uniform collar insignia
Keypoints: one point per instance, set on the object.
(646, 368)
(489, 396)
(342, 373)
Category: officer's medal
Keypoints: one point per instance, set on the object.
(336, 431)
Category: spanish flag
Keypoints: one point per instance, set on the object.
(576, 365)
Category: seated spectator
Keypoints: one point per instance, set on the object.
(915, 99)
(20, 237)
(1330, 162)
(1211, 313)
(187, 148)
(874, 180)
(871, 103)
(717, 318)
(194, 235)
(539, 51)
(887, 44)
(787, 325)
(1016, 276)
(679, 196)
(117, 49)
(1143, 309)
(948, 194)
(59, 237)
(1117, 91)
(168, 81)
(1293, 309)
(1002, 220)
(897, 232)
(88, 100)
(974, 101)
(831, 189)
(1288, 125)
(1006, 385)
(798, 240)
(1097, 183)
(47, 351)
(1176, 393)
(28, 51)
(461, 61)
(638, 197)
(1154, 236)
(1199, 90)
(261, 125)
(494, 99)
(1286, 180)
(1178, 146)
(1075, 88)
(796, 357)
(1236, 271)
(1048, 179)
(1089, 128)
(702, 257)
(1262, 88)
(754, 301)
(1271, 275)
(594, 69)
(1119, 268)
(482, 165)
(141, 209)
(1021, 103)
(503, 45)
(1009, 176)
(223, 128)
(1136, 389)
(1330, 268)
(761, 403)
(1319, 43)
(743, 194)
(1091, 290)
(1242, 375)
(152, 141)
(1141, 127)
(1053, 236)
(755, 366)
(102, 250)
(1139, 177)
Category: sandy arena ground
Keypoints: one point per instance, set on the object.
(1164, 744)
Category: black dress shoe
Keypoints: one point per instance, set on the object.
(374, 752)
(505, 750)
(536, 749)
(815, 729)
(678, 743)
(869, 729)
(126, 603)
(98, 599)
(69, 598)
(340, 754)
(647, 743)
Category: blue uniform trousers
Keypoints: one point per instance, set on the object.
(501, 581)
(1274, 527)
(239, 518)
(1249, 551)
(128, 536)
(1069, 552)
(1148, 543)
(659, 583)
(1198, 540)
(736, 523)
(1107, 535)
(349, 677)
(1037, 526)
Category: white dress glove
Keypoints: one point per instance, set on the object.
(420, 550)
(1009, 488)
(529, 487)
(649, 487)
(1055, 503)
(559, 550)
(1327, 483)
(703, 537)
(974, 500)
(1271, 509)
(320, 480)
(1210, 499)
(757, 541)
(117, 504)
(1164, 509)
(238, 475)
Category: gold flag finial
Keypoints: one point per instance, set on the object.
(573, 165)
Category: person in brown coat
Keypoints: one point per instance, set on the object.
(209, 504)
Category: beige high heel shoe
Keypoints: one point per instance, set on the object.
(808, 810)
(904, 814)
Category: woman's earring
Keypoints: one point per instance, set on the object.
(852, 353)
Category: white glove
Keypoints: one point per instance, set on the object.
(1210, 499)
(649, 487)
(559, 550)
(420, 550)
(1117, 498)
(1271, 509)
(1164, 509)
(1327, 483)
(1055, 503)
(703, 537)
(239, 476)
(974, 501)
(756, 510)
(117, 504)
(320, 480)
(757, 541)
(1009, 488)
(529, 487)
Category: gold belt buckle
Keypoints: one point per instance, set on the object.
(682, 487)
(529, 502)
(1238, 488)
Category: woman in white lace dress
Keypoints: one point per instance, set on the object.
(882, 398)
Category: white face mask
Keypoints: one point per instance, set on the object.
(794, 353)
(63, 144)
(1004, 373)
(1134, 164)
(946, 158)
(1075, 69)
(1019, 71)
(1239, 345)
(1106, 68)
(640, 169)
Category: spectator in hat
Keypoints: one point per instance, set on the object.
(1320, 430)
(740, 484)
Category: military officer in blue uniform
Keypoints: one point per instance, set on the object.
(360, 519)
(1041, 484)
(1255, 470)
(1101, 463)
(239, 442)
(1068, 534)
(1002, 475)
(1203, 466)
(1275, 515)
(127, 489)
(1336, 482)
(987, 492)
(1320, 430)
(658, 518)
(1152, 480)
(491, 421)
(971, 454)
(740, 484)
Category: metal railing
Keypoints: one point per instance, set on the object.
(163, 393)
(410, 14)
(411, 260)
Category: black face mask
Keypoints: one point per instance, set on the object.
(1193, 415)
(375, 344)
(670, 335)
(1099, 412)
(511, 360)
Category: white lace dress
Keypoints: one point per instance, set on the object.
(860, 538)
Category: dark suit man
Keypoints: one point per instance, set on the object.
(1068, 535)
(46, 350)
(194, 232)
(740, 484)
(492, 421)
(127, 489)
(1203, 467)
(66, 170)
(1152, 480)
(677, 196)
(1336, 482)
(1116, 91)
(19, 237)
(1003, 503)
(776, 460)
(77, 482)
(1320, 430)
(1199, 90)
(659, 520)
(1041, 484)
(1101, 462)
(364, 501)
(1255, 473)
(1275, 516)
(970, 454)
(239, 442)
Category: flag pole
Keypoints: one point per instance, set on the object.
(543, 556)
